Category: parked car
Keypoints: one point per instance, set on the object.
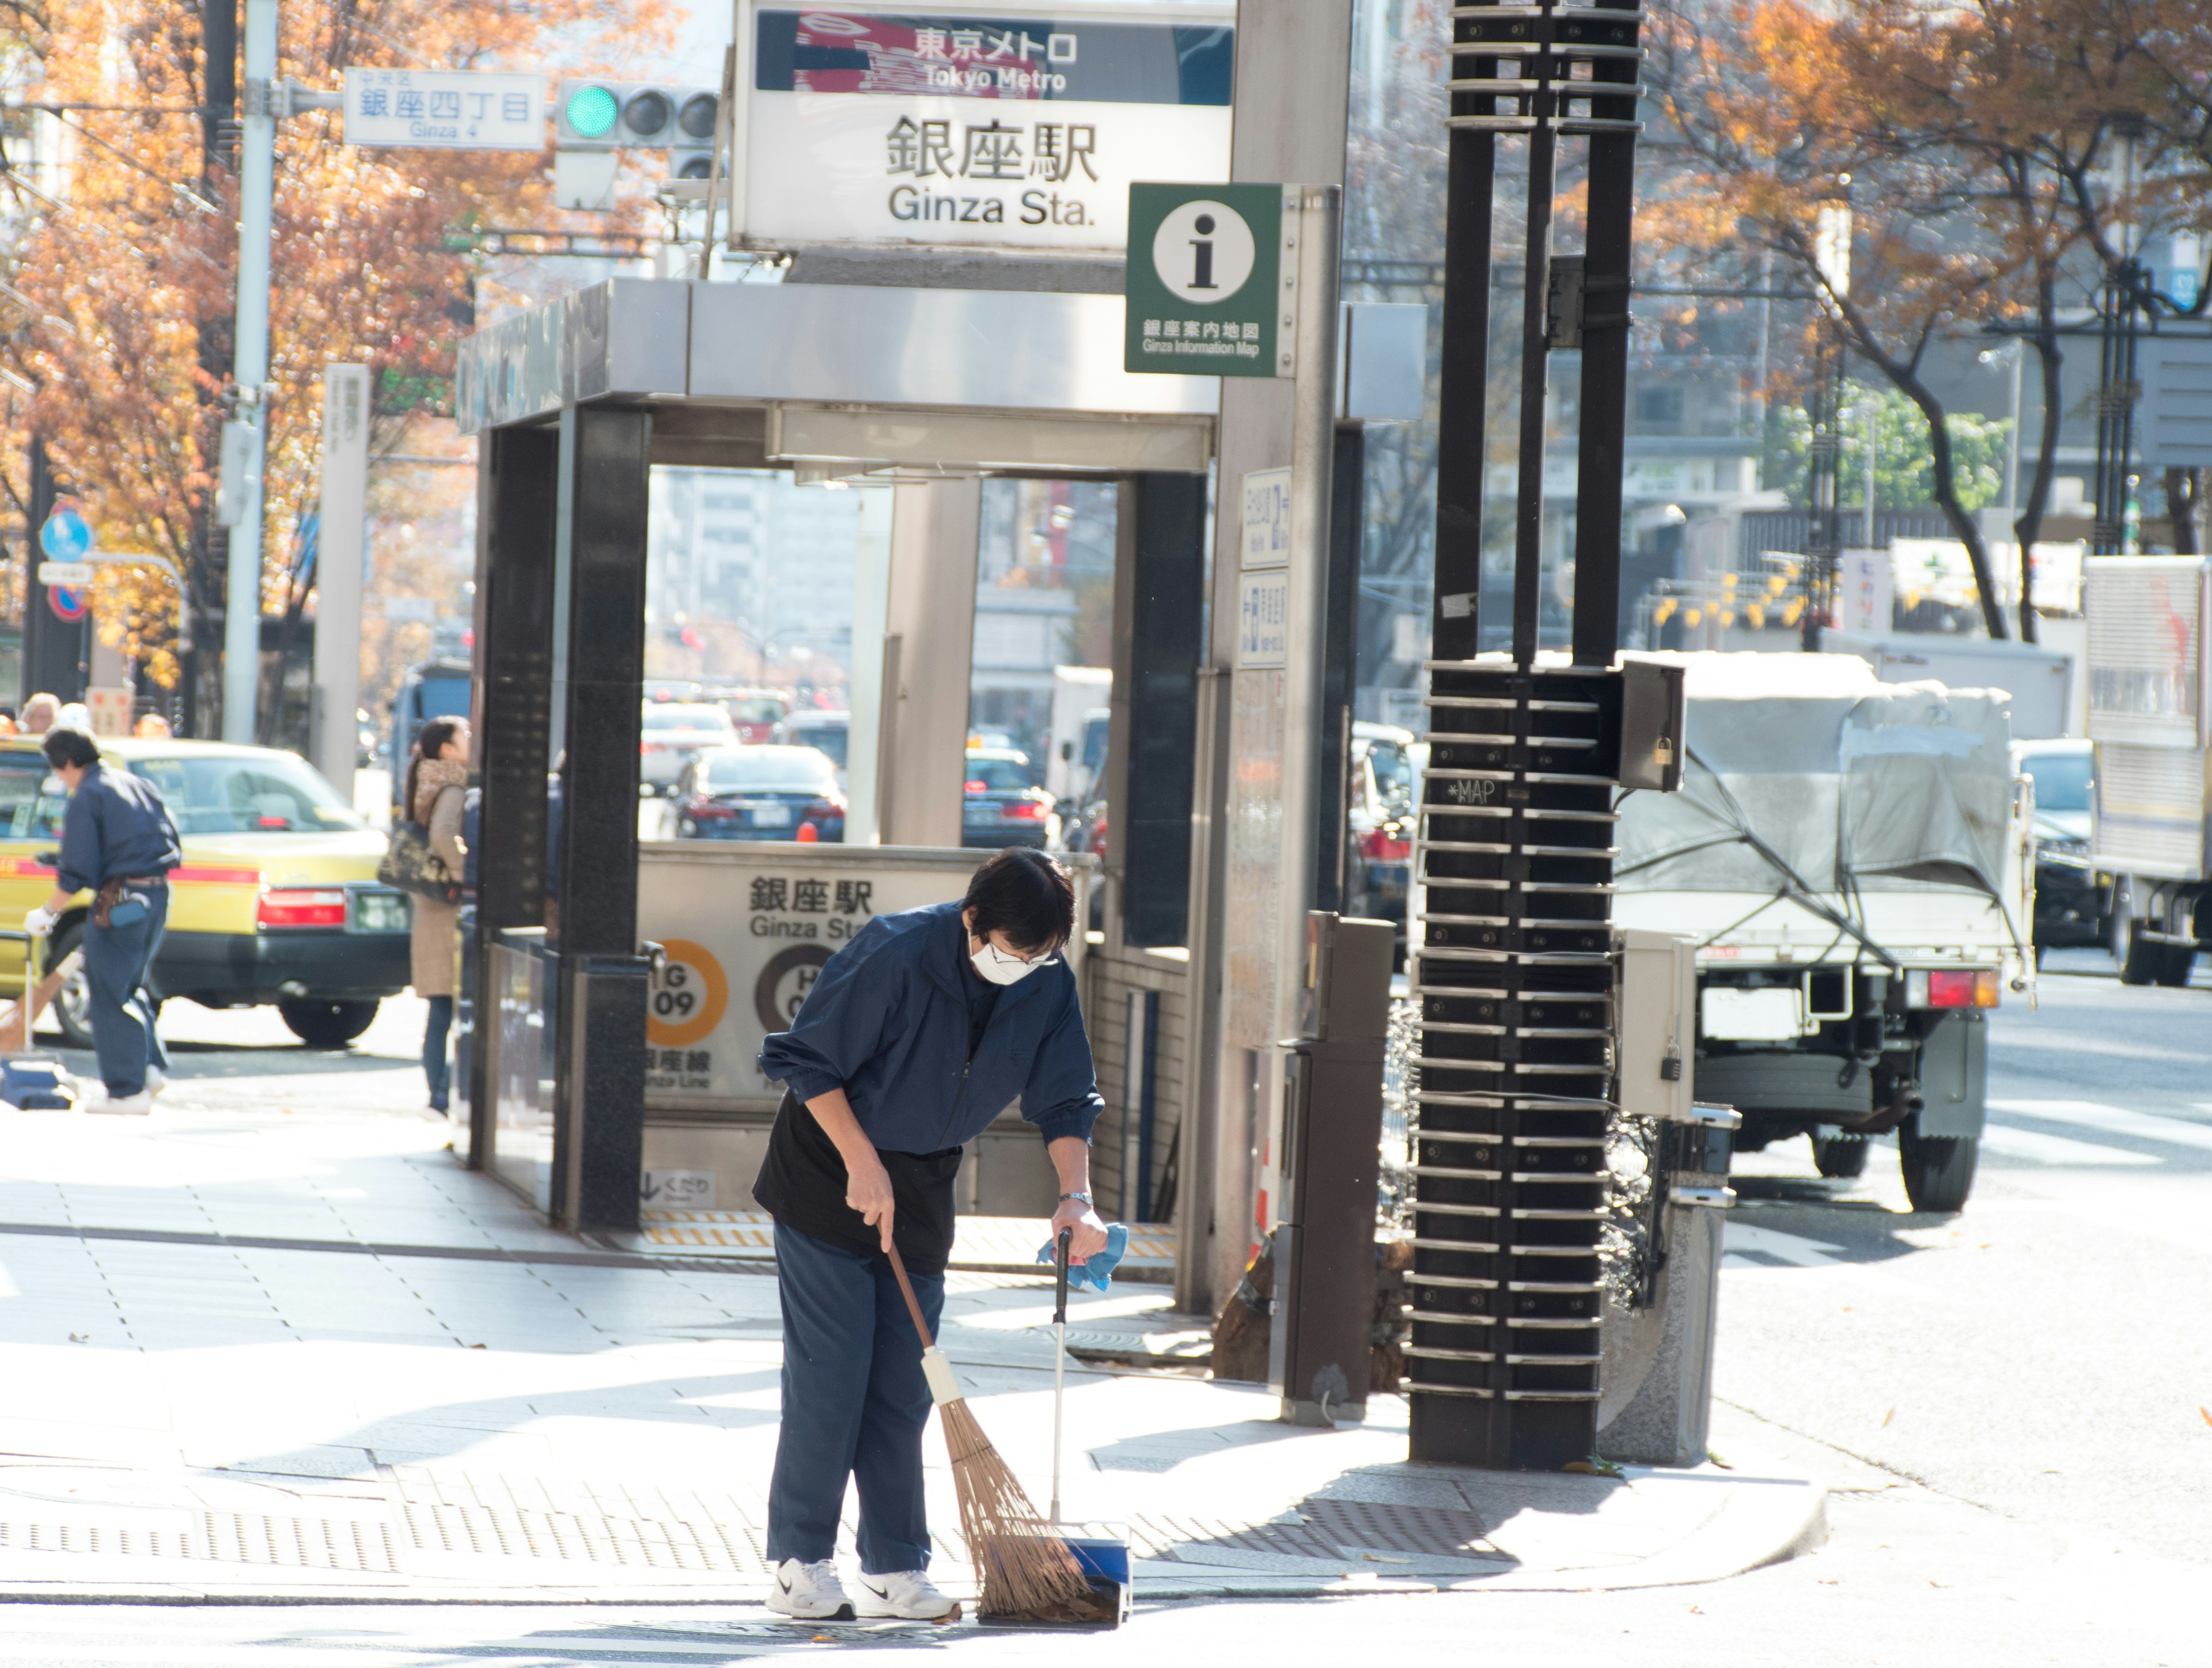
(277, 902)
(756, 712)
(826, 732)
(675, 733)
(1004, 807)
(765, 792)
(2073, 902)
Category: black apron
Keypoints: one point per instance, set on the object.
(802, 1185)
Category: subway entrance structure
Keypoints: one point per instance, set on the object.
(930, 389)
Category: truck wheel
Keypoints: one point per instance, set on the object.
(1840, 1156)
(2141, 961)
(1939, 1169)
(2177, 963)
(324, 1024)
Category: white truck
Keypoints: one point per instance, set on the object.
(1849, 859)
(1077, 742)
(2150, 720)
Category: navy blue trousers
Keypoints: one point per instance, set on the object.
(116, 960)
(854, 1405)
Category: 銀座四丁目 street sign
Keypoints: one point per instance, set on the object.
(445, 109)
(1206, 282)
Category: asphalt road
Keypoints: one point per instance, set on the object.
(2010, 1405)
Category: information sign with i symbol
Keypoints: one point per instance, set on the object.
(1205, 282)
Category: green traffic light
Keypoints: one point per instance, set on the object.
(592, 112)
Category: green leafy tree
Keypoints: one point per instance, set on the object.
(1903, 463)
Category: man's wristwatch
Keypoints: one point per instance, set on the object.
(1085, 1198)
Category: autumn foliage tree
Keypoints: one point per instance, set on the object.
(1971, 144)
(122, 277)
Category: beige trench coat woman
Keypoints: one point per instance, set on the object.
(435, 945)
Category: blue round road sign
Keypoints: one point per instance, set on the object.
(66, 536)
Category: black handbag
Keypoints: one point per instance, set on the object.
(411, 865)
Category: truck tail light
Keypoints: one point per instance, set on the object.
(301, 906)
(1022, 810)
(1951, 987)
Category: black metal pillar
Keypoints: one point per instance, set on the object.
(1511, 958)
(598, 675)
(1465, 376)
(1340, 666)
(1161, 538)
(1604, 335)
(516, 492)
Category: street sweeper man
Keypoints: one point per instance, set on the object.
(915, 1037)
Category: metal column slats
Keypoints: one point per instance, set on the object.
(1513, 972)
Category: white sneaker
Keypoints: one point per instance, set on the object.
(810, 1592)
(129, 1105)
(905, 1593)
(156, 1079)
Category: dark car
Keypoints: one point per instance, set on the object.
(1003, 805)
(763, 792)
(2073, 902)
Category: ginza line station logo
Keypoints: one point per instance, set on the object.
(1201, 279)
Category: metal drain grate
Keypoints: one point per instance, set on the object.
(1331, 1531)
(340, 1544)
(1427, 1531)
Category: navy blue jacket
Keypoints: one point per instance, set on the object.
(887, 1020)
(115, 824)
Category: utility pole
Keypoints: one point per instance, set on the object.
(241, 633)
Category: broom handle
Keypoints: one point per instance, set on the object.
(1060, 1255)
(913, 1306)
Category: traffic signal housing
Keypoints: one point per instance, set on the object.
(634, 115)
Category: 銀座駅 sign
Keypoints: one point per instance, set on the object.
(988, 128)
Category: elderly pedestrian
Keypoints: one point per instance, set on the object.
(915, 1035)
(436, 796)
(40, 713)
(118, 842)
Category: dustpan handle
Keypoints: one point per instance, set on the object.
(906, 1290)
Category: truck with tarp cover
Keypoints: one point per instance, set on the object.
(1849, 859)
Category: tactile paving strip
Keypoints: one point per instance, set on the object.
(989, 1243)
(335, 1544)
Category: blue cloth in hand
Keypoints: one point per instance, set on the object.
(1095, 1272)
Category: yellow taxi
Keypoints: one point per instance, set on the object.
(278, 899)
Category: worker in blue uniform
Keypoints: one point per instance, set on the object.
(915, 1036)
(118, 842)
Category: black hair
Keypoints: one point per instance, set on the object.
(430, 742)
(1024, 893)
(69, 747)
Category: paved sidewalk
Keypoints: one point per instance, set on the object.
(273, 1342)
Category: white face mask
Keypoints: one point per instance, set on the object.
(1000, 969)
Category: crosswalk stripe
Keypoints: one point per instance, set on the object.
(2114, 1120)
(2054, 1148)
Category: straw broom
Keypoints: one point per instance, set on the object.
(1026, 1569)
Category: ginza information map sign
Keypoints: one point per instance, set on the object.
(990, 129)
(1204, 281)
